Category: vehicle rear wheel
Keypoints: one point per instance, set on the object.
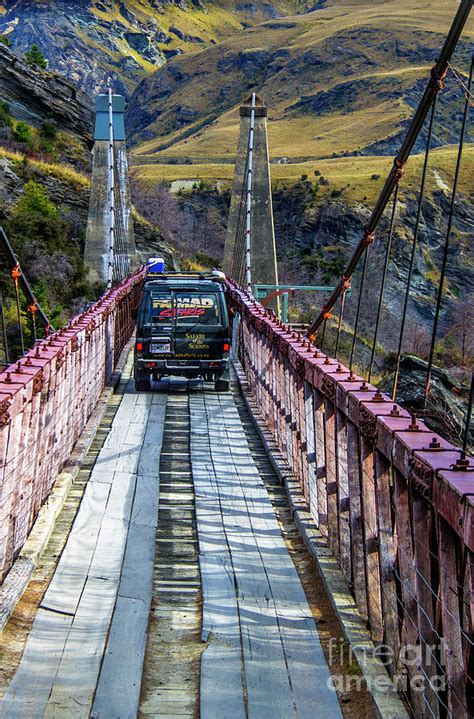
(222, 385)
(142, 385)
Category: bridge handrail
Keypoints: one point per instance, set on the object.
(393, 499)
(46, 399)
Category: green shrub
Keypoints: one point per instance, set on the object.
(35, 200)
(48, 130)
(5, 40)
(22, 132)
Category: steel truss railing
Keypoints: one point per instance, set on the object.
(394, 501)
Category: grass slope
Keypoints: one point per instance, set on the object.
(351, 176)
(335, 80)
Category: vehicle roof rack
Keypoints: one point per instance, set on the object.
(215, 275)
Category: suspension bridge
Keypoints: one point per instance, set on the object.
(168, 585)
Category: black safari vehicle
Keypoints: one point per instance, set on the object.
(182, 329)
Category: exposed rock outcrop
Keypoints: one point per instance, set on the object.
(36, 95)
(93, 42)
(73, 203)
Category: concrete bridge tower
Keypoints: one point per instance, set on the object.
(110, 251)
(263, 251)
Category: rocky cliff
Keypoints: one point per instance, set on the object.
(46, 129)
(36, 95)
(91, 42)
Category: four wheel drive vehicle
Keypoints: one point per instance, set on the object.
(183, 329)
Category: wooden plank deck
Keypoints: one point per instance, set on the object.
(256, 616)
(98, 601)
(84, 656)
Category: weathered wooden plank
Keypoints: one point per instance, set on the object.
(84, 588)
(283, 660)
(320, 444)
(145, 503)
(331, 476)
(371, 538)
(65, 589)
(311, 451)
(121, 497)
(153, 439)
(359, 582)
(118, 688)
(422, 528)
(343, 496)
(137, 572)
(222, 690)
(302, 651)
(222, 693)
(409, 633)
(220, 614)
(387, 558)
(29, 690)
(108, 554)
(75, 682)
(449, 606)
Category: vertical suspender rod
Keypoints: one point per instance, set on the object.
(111, 192)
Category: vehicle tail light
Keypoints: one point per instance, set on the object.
(151, 364)
(139, 346)
(226, 347)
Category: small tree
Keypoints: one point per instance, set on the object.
(35, 57)
(417, 342)
(22, 132)
(462, 329)
(5, 40)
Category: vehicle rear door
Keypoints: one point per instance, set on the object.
(198, 324)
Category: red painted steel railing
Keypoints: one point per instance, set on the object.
(394, 501)
(46, 399)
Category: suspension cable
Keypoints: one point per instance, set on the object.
(16, 274)
(120, 237)
(359, 304)
(111, 193)
(248, 219)
(238, 251)
(121, 188)
(446, 243)
(413, 249)
(436, 83)
(384, 278)
(467, 429)
(238, 259)
(23, 282)
(341, 317)
(4, 332)
(323, 336)
(32, 309)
